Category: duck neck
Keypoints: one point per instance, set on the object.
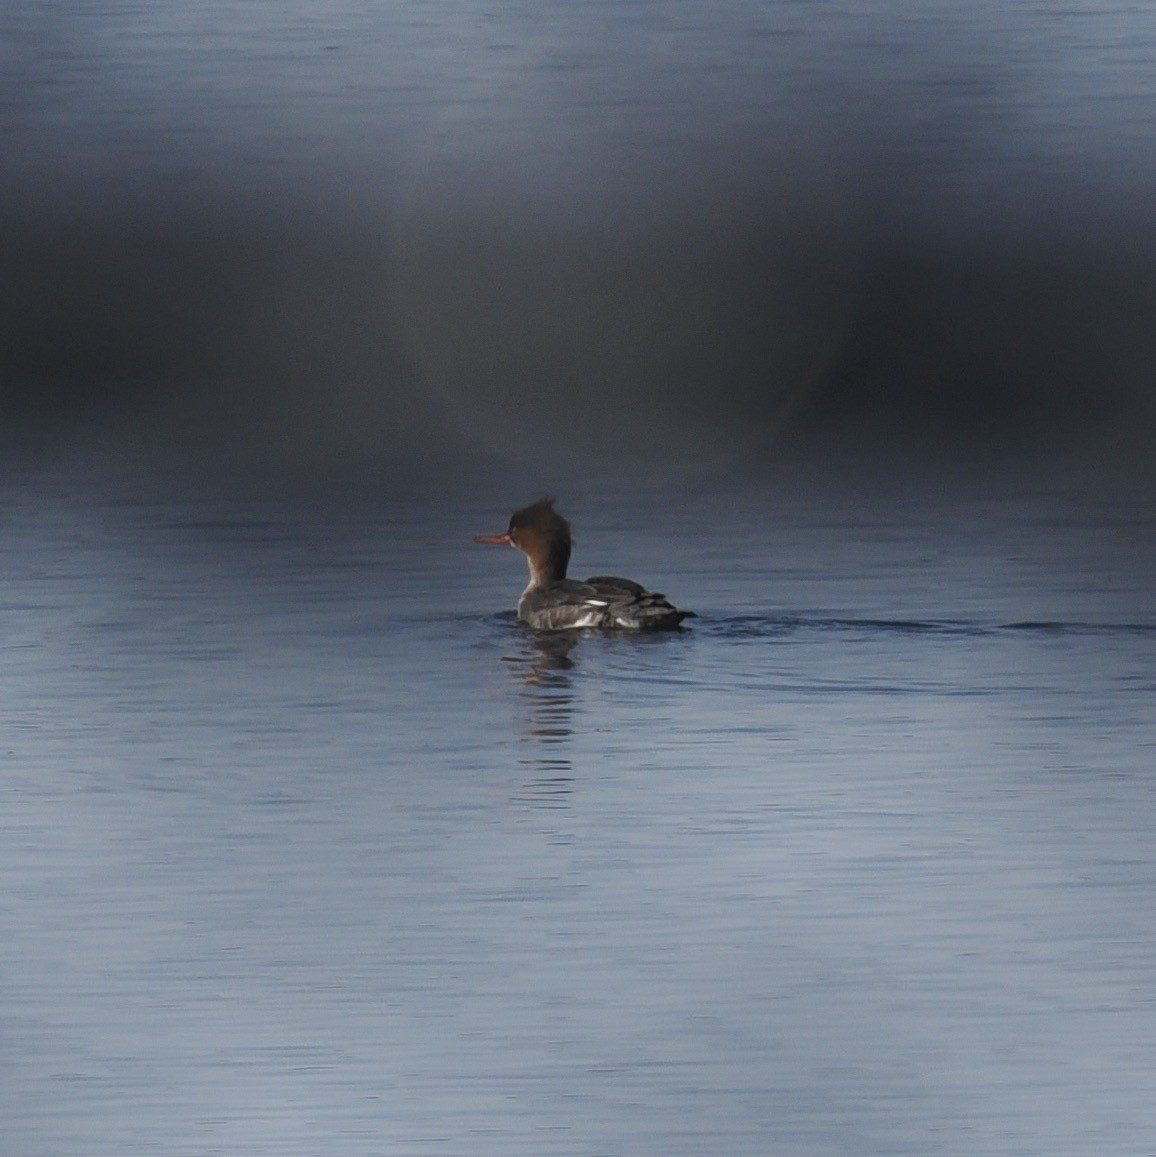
(549, 563)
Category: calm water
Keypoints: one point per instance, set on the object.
(309, 849)
(301, 860)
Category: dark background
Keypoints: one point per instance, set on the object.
(653, 234)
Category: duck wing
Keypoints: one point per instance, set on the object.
(603, 601)
(631, 605)
(563, 605)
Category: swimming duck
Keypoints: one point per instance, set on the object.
(552, 602)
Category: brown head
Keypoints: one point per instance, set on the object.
(543, 535)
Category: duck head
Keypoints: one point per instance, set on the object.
(543, 535)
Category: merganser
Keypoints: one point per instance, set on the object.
(552, 602)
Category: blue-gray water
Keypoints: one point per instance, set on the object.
(309, 848)
(831, 320)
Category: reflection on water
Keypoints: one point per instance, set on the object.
(544, 665)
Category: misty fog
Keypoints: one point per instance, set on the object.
(658, 233)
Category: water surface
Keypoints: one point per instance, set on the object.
(302, 856)
(308, 847)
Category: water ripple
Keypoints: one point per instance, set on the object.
(754, 626)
